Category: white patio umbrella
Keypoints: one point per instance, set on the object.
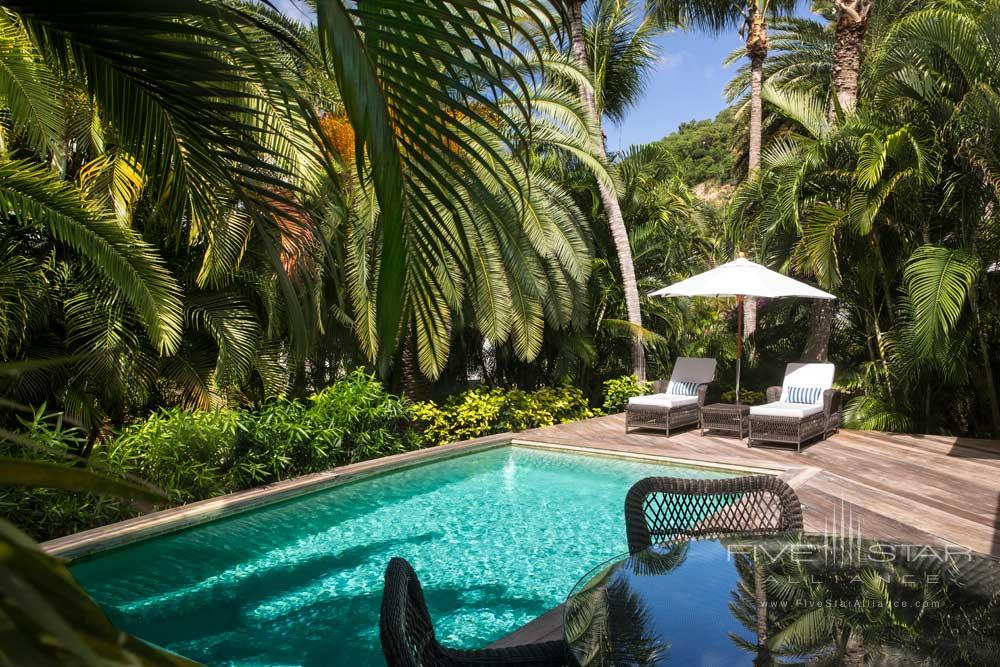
(742, 278)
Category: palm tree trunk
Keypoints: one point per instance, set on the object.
(984, 353)
(820, 326)
(609, 199)
(848, 38)
(757, 52)
(415, 385)
(763, 657)
(854, 652)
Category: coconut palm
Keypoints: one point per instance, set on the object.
(199, 124)
(751, 17)
(617, 52)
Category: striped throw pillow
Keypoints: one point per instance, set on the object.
(678, 388)
(804, 394)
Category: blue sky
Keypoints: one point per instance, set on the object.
(686, 84)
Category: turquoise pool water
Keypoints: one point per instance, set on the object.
(497, 538)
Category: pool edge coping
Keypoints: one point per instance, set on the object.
(84, 544)
(88, 543)
(656, 458)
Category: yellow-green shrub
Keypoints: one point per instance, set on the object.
(482, 411)
(617, 391)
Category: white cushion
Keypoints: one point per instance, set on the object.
(662, 401)
(780, 409)
(807, 375)
(693, 369)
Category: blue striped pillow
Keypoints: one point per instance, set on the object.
(804, 394)
(677, 388)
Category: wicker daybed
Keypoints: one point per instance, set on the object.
(677, 402)
(804, 407)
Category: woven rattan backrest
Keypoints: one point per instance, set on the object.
(662, 509)
(405, 627)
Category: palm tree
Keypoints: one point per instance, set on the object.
(898, 192)
(848, 41)
(609, 198)
(221, 154)
(718, 15)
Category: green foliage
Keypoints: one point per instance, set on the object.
(51, 512)
(747, 396)
(621, 51)
(188, 453)
(361, 417)
(482, 411)
(205, 237)
(938, 281)
(276, 440)
(703, 150)
(617, 391)
(895, 207)
(194, 454)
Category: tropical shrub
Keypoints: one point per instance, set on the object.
(617, 391)
(544, 407)
(361, 418)
(271, 443)
(193, 454)
(471, 414)
(187, 453)
(483, 411)
(47, 513)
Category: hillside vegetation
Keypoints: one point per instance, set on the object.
(704, 151)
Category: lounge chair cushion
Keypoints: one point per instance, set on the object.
(698, 370)
(804, 394)
(679, 388)
(809, 376)
(661, 401)
(783, 409)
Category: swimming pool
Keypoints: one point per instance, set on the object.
(497, 538)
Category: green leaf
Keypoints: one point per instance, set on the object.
(132, 265)
(938, 281)
(368, 110)
(49, 620)
(39, 474)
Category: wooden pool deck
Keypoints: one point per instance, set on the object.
(915, 488)
(932, 488)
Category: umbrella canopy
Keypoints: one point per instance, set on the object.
(742, 277)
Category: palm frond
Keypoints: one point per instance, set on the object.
(938, 281)
(39, 198)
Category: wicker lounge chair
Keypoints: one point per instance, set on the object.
(678, 402)
(407, 632)
(804, 407)
(662, 509)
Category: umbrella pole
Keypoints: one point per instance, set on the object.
(739, 344)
